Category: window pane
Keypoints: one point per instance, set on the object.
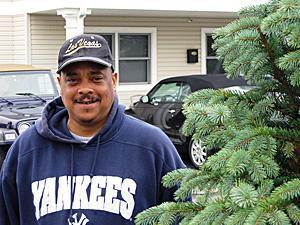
(210, 41)
(133, 71)
(108, 38)
(134, 45)
(214, 66)
(110, 41)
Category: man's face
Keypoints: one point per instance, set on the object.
(87, 91)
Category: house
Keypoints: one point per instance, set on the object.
(150, 40)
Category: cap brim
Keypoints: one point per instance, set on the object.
(83, 59)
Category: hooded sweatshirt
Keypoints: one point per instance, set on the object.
(49, 177)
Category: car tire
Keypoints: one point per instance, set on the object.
(197, 152)
(3, 151)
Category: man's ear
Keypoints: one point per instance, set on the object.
(59, 78)
(115, 80)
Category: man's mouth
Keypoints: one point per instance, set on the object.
(87, 100)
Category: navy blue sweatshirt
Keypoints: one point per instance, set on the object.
(116, 175)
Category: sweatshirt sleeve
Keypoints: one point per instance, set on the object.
(3, 210)
(9, 206)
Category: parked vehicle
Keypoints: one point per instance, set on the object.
(162, 107)
(24, 91)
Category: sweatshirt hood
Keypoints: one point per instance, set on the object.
(53, 122)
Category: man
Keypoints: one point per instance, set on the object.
(85, 162)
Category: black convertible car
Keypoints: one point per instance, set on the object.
(162, 107)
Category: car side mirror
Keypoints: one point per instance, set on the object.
(144, 99)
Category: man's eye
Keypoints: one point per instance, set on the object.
(72, 80)
(97, 78)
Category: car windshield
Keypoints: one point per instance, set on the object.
(170, 92)
(35, 82)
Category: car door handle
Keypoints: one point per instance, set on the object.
(172, 110)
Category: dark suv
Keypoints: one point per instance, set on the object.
(162, 107)
(24, 91)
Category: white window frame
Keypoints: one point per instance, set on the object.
(132, 30)
(204, 32)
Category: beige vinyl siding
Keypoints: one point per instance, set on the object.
(47, 34)
(12, 39)
(19, 39)
(171, 51)
(6, 39)
(174, 37)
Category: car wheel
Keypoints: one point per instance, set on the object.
(3, 151)
(197, 152)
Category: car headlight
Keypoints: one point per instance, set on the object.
(22, 127)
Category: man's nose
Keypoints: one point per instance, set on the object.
(85, 88)
(85, 91)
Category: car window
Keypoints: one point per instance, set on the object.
(184, 91)
(38, 83)
(170, 92)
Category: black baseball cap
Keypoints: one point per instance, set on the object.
(85, 47)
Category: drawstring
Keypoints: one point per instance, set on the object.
(95, 157)
(71, 219)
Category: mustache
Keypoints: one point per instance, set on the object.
(87, 98)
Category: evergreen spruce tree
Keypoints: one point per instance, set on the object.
(254, 178)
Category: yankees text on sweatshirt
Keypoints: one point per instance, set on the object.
(49, 177)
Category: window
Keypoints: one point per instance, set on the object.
(109, 38)
(134, 58)
(35, 82)
(133, 51)
(213, 64)
(210, 62)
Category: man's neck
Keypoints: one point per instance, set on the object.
(84, 130)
